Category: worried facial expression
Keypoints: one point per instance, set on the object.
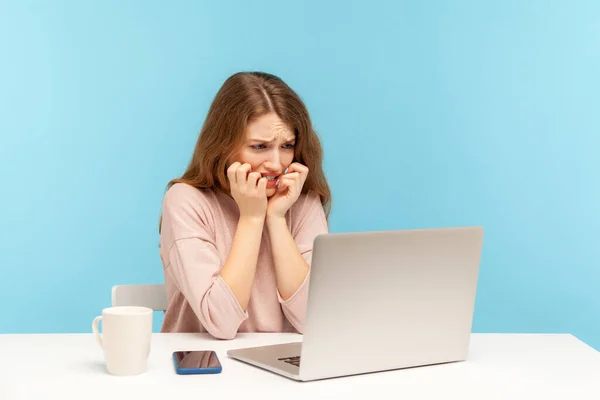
(269, 148)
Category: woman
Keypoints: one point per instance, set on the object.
(237, 228)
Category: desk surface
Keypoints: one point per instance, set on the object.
(515, 366)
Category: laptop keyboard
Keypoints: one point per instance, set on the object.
(291, 360)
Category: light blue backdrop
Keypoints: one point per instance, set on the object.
(432, 114)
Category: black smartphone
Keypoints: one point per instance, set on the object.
(196, 362)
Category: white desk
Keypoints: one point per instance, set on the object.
(500, 366)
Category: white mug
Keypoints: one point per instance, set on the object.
(125, 339)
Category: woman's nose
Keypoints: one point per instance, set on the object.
(274, 161)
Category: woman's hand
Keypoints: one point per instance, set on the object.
(248, 190)
(288, 191)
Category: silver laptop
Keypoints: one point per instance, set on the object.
(381, 301)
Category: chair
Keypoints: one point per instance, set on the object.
(151, 296)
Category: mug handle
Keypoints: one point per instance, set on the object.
(95, 329)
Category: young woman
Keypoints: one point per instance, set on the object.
(237, 228)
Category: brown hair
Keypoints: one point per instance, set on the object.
(242, 98)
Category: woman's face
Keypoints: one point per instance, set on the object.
(269, 148)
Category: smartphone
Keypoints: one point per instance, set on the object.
(196, 362)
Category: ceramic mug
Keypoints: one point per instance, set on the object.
(125, 339)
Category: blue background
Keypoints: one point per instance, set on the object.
(432, 114)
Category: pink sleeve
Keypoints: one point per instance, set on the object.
(193, 263)
(311, 222)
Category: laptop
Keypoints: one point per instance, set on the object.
(380, 301)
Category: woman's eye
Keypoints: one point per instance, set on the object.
(287, 146)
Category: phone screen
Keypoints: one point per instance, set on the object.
(196, 359)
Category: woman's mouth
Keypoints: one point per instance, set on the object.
(272, 180)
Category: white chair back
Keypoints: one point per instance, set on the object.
(151, 296)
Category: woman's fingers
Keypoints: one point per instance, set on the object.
(262, 186)
(231, 172)
(253, 178)
(242, 173)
